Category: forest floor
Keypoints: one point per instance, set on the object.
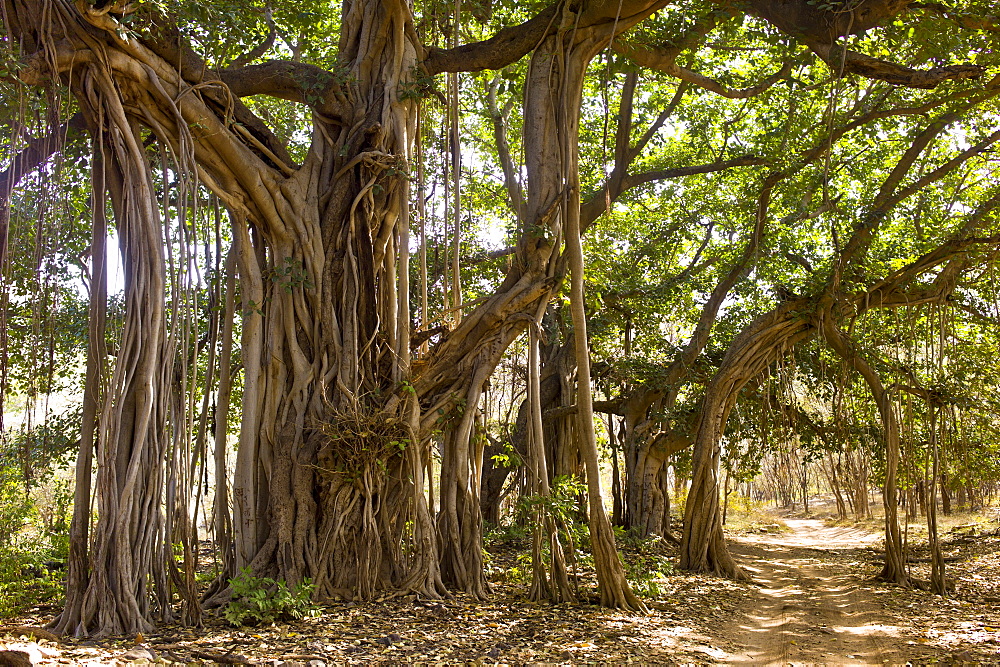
(813, 600)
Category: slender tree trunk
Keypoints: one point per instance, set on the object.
(222, 512)
(894, 569)
(553, 102)
(617, 507)
(549, 579)
(938, 584)
(77, 565)
(615, 590)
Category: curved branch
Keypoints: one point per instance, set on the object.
(292, 81)
(662, 60)
(507, 46)
(889, 197)
(594, 207)
(846, 349)
(168, 43)
(883, 70)
(288, 80)
(511, 44)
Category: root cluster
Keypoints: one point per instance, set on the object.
(357, 438)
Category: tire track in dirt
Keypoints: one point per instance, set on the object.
(810, 608)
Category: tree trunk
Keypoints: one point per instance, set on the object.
(126, 557)
(77, 565)
(894, 569)
(553, 97)
(703, 546)
(549, 580)
(330, 474)
(938, 584)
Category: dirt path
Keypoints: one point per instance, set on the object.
(811, 607)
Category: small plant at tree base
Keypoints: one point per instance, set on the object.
(644, 573)
(259, 600)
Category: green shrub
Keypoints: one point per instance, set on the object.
(258, 600)
(645, 571)
(15, 506)
(24, 577)
(515, 535)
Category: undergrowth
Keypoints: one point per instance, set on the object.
(33, 547)
(262, 600)
(747, 515)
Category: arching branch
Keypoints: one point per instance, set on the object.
(511, 44)
(507, 46)
(663, 60)
(852, 62)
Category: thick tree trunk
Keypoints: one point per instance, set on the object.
(126, 557)
(330, 470)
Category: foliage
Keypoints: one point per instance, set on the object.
(15, 506)
(563, 505)
(28, 573)
(44, 448)
(262, 600)
(646, 561)
(515, 534)
(645, 572)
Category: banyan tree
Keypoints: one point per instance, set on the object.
(344, 388)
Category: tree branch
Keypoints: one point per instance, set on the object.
(852, 62)
(511, 44)
(632, 180)
(594, 207)
(499, 119)
(889, 196)
(662, 60)
(506, 47)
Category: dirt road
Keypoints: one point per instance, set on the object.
(812, 607)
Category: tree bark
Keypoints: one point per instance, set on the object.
(77, 564)
(894, 569)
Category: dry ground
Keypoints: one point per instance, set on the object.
(813, 601)
(817, 604)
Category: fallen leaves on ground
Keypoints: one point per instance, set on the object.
(691, 620)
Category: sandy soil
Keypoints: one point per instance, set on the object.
(811, 609)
